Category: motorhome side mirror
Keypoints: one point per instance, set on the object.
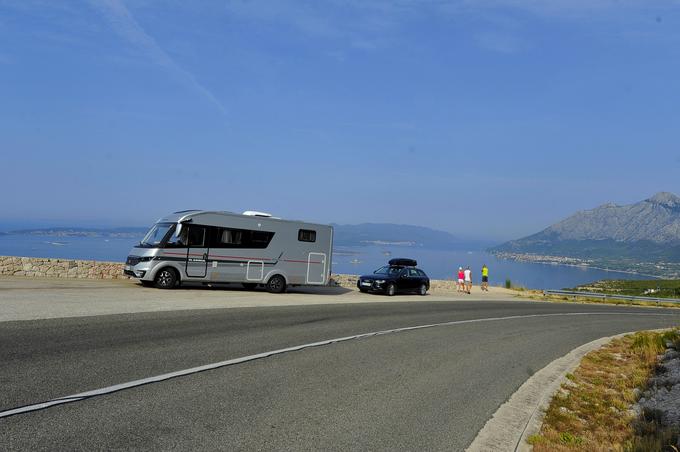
(178, 229)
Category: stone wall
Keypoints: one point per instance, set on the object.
(60, 268)
(350, 282)
(443, 285)
(72, 268)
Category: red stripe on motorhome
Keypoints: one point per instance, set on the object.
(182, 254)
(243, 257)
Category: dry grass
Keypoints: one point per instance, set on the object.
(591, 412)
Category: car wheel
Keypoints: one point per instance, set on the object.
(423, 289)
(166, 278)
(390, 290)
(249, 285)
(276, 284)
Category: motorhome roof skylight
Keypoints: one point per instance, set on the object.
(255, 213)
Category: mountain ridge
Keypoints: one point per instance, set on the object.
(649, 229)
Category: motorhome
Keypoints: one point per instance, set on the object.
(252, 249)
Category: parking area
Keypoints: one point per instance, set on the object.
(23, 298)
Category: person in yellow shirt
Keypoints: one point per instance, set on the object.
(485, 278)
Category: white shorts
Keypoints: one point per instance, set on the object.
(460, 281)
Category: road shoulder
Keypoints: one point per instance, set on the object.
(522, 415)
(23, 298)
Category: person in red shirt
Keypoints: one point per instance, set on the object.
(460, 285)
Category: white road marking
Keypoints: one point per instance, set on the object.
(230, 362)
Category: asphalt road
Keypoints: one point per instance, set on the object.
(425, 389)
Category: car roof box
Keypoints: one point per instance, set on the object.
(403, 262)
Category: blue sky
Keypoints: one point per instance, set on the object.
(488, 119)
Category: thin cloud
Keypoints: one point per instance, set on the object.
(124, 23)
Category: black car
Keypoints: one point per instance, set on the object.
(401, 275)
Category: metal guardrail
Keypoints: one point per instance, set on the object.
(605, 296)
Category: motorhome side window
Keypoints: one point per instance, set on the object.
(196, 236)
(241, 238)
(260, 239)
(306, 235)
(231, 237)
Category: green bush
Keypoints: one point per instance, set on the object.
(536, 439)
(568, 438)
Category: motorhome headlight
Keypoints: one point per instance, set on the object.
(134, 260)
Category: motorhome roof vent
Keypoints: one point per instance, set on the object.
(254, 213)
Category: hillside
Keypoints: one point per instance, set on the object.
(635, 287)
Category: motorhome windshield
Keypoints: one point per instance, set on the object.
(156, 234)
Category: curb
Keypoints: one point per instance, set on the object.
(522, 415)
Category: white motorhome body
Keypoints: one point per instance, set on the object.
(224, 247)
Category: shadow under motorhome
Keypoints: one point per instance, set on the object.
(223, 247)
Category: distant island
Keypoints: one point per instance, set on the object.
(366, 234)
(383, 242)
(125, 232)
(642, 238)
(388, 234)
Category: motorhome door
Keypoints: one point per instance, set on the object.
(316, 268)
(197, 252)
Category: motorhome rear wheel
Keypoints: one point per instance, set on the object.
(276, 284)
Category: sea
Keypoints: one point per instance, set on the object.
(438, 264)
